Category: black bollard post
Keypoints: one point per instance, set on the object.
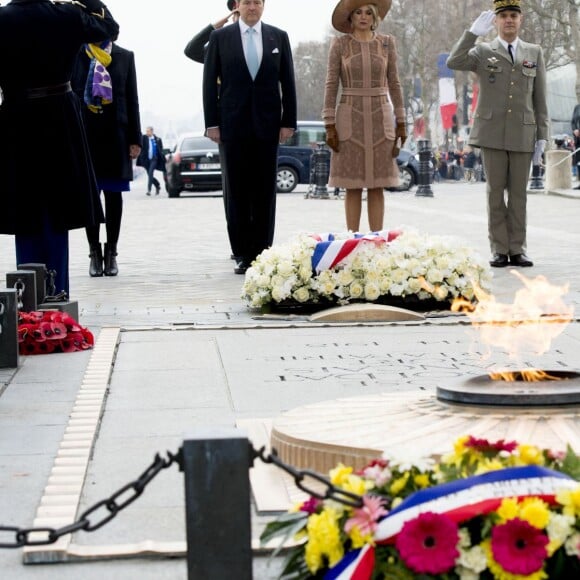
(537, 182)
(216, 464)
(320, 158)
(8, 329)
(424, 177)
(41, 275)
(24, 282)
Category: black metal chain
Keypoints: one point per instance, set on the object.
(330, 490)
(109, 508)
(105, 510)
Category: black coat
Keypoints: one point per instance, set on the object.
(112, 131)
(196, 47)
(45, 164)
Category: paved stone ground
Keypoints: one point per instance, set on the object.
(192, 354)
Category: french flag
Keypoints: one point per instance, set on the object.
(329, 252)
(447, 94)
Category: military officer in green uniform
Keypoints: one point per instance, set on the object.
(511, 123)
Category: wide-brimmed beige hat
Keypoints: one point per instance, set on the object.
(343, 10)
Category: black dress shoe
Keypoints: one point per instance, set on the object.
(520, 260)
(499, 261)
(241, 266)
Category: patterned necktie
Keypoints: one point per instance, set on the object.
(511, 51)
(252, 53)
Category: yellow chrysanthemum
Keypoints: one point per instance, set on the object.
(356, 484)
(500, 574)
(489, 465)
(339, 474)
(535, 511)
(359, 540)
(530, 455)
(422, 480)
(399, 484)
(570, 500)
(323, 540)
(459, 444)
(508, 510)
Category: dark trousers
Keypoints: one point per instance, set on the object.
(152, 181)
(250, 167)
(47, 247)
(113, 215)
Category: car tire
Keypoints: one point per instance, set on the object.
(173, 192)
(407, 178)
(286, 180)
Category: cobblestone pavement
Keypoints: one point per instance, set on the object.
(192, 354)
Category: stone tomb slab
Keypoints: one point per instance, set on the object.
(150, 389)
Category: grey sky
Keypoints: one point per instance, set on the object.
(158, 30)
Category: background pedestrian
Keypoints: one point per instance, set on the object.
(152, 159)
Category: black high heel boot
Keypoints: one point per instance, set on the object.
(111, 268)
(96, 265)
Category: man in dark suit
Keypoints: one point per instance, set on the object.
(152, 159)
(252, 111)
(196, 47)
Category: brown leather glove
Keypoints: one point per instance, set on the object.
(332, 137)
(400, 137)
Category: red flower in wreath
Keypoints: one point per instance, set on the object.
(51, 331)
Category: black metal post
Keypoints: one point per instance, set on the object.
(424, 177)
(216, 465)
(41, 274)
(8, 329)
(537, 182)
(321, 159)
(24, 282)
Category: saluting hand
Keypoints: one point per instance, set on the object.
(134, 151)
(484, 23)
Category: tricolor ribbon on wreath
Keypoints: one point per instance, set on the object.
(329, 252)
(460, 500)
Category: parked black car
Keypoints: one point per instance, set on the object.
(193, 165)
(294, 159)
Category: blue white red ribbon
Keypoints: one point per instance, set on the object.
(329, 252)
(466, 498)
(356, 565)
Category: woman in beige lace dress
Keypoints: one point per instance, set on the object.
(362, 130)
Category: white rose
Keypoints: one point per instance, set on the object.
(559, 528)
(301, 295)
(345, 277)
(285, 269)
(473, 559)
(356, 289)
(372, 291)
(277, 294)
(414, 285)
(434, 276)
